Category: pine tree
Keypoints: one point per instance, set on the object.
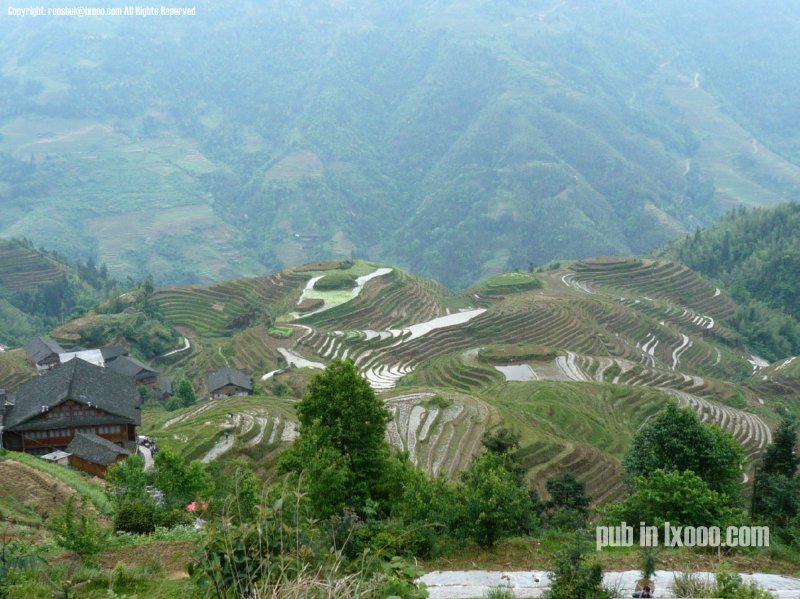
(781, 456)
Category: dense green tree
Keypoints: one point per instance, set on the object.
(342, 430)
(325, 474)
(781, 455)
(496, 503)
(568, 506)
(681, 498)
(675, 439)
(185, 394)
(502, 440)
(755, 255)
(128, 479)
(180, 482)
(776, 488)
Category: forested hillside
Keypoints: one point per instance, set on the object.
(458, 139)
(755, 255)
(38, 290)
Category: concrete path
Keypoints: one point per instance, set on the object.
(186, 346)
(477, 583)
(147, 455)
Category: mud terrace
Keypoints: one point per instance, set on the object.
(477, 583)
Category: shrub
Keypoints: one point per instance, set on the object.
(731, 586)
(681, 498)
(437, 401)
(138, 517)
(687, 584)
(335, 280)
(78, 533)
(574, 576)
(500, 593)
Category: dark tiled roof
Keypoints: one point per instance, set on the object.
(95, 449)
(81, 382)
(227, 376)
(112, 352)
(165, 383)
(41, 347)
(129, 366)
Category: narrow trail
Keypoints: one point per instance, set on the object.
(147, 455)
(221, 355)
(186, 346)
(687, 166)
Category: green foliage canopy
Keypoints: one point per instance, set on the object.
(675, 439)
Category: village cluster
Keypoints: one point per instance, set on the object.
(84, 408)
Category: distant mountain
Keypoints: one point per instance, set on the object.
(456, 138)
(755, 255)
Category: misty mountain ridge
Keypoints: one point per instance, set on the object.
(457, 139)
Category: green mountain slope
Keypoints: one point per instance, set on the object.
(756, 255)
(456, 138)
(39, 289)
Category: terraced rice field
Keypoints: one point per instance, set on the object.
(458, 370)
(215, 310)
(14, 369)
(387, 302)
(623, 337)
(198, 431)
(656, 279)
(747, 428)
(441, 437)
(584, 428)
(24, 268)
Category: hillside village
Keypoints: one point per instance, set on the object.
(84, 407)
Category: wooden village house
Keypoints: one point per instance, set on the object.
(45, 413)
(228, 382)
(128, 366)
(44, 353)
(94, 454)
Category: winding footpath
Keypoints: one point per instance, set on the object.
(186, 346)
